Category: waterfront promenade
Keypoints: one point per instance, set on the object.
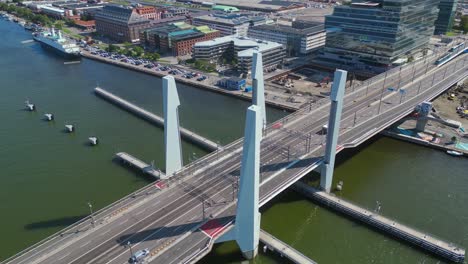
(202, 85)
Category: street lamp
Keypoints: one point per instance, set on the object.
(91, 213)
(130, 247)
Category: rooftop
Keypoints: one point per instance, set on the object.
(120, 14)
(229, 21)
(243, 42)
(226, 8)
(288, 29)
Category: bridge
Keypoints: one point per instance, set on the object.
(179, 219)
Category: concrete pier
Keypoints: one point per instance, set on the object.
(185, 133)
(417, 238)
(284, 249)
(145, 168)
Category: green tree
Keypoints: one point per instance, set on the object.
(112, 48)
(59, 24)
(138, 51)
(86, 17)
(464, 24)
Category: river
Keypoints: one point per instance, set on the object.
(48, 176)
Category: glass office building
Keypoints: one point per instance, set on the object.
(374, 36)
(447, 11)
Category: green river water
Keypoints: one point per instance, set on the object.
(47, 176)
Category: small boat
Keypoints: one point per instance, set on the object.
(454, 153)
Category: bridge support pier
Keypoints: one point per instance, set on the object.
(172, 144)
(421, 123)
(258, 95)
(246, 231)
(337, 94)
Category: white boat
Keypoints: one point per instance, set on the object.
(454, 153)
(57, 43)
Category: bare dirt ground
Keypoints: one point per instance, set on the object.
(448, 108)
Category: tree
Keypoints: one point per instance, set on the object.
(112, 48)
(138, 51)
(464, 24)
(86, 17)
(59, 24)
(69, 22)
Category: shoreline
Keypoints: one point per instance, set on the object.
(421, 142)
(199, 85)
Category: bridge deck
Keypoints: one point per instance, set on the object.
(283, 248)
(167, 221)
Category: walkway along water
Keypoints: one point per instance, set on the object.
(240, 95)
(185, 133)
(425, 241)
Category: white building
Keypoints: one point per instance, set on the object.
(240, 48)
(297, 39)
(237, 25)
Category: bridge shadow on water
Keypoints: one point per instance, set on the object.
(135, 171)
(162, 232)
(58, 222)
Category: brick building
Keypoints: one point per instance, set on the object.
(120, 23)
(177, 38)
(149, 12)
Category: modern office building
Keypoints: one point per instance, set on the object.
(241, 50)
(447, 12)
(371, 37)
(120, 23)
(229, 24)
(177, 38)
(299, 39)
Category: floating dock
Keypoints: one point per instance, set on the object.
(417, 238)
(184, 133)
(145, 168)
(284, 249)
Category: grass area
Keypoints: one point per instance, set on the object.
(450, 34)
(67, 30)
(103, 46)
(164, 61)
(78, 36)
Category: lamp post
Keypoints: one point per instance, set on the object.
(91, 213)
(130, 247)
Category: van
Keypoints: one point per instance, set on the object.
(139, 255)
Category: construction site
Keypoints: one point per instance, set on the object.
(304, 83)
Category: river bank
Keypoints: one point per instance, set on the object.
(247, 96)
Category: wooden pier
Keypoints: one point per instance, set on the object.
(284, 249)
(417, 238)
(184, 133)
